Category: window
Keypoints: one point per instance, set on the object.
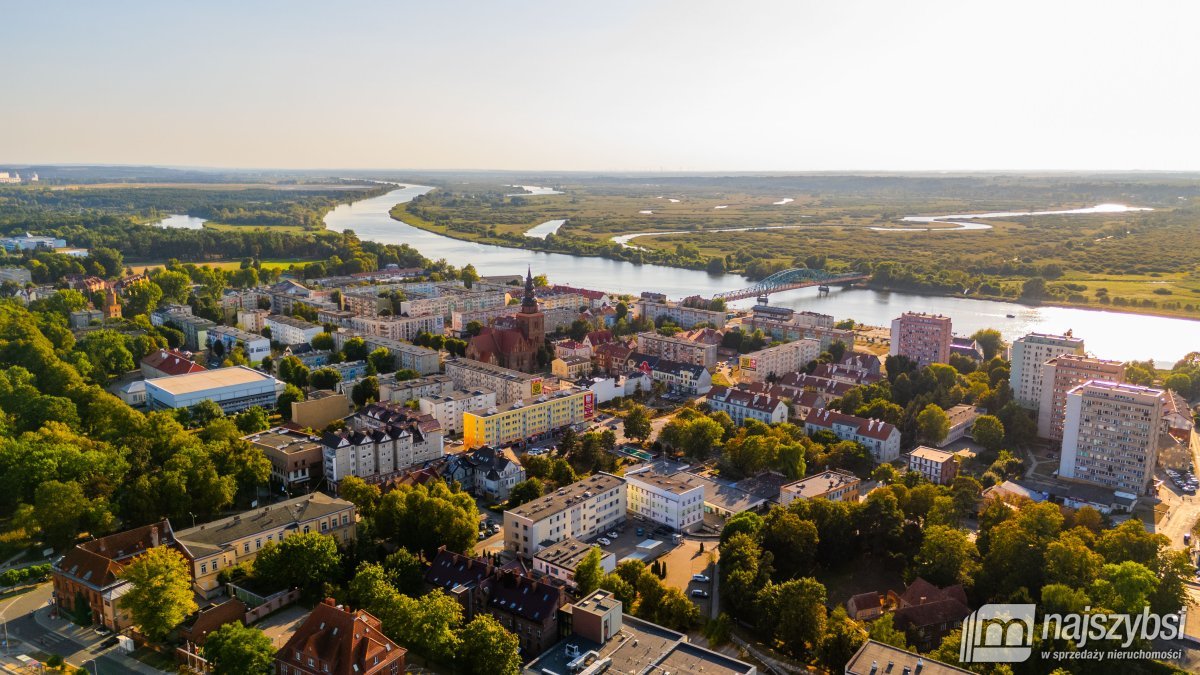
(257, 543)
(246, 547)
(203, 568)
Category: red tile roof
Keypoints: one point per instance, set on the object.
(871, 428)
(171, 362)
(348, 642)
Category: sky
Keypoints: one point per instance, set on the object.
(604, 86)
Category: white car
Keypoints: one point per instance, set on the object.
(604, 541)
(613, 535)
(700, 578)
(699, 593)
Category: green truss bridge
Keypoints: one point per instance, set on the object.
(793, 278)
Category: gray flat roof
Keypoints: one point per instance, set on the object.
(544, 507)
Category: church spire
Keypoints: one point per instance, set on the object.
(529, 303)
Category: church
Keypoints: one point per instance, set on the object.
(513, 342)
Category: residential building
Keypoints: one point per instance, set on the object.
(234, 389)
(789, 326)
(521, 420)
(83, 318)
(1029, 353)
(347, 370)
(194, 328)
(321, 409)
(168, 362)
(560, 560)
(927, 613)
(865, 606)
(967, 347)
(924, 338)
(869, 657)
(610, 357)
(773, 362)
(288, 330)
(335, 317)
(742, 405)
(1111, 435)
(448, 409)
(486, 472)
(392, 390)
(677, 348)
(295, 456)
(678, 378)
(459, 320)
(881, 438)
(604, 639)
(850, 375)
(399, 327)
(87, 579)
(832, 484)
(864, 362)
(581, 510)
(233, 540)
(287, 295)
(380, 443)
(565, 348)
(800, 318)
(515, 343)
(937, 466)
(509, 385)
(654, 306)
(16, 275)
(252, 320)
(1060, 375)
(336, 640)
(405, 356)
(962, 417)
(669, 501)
(30, 242)
(570, 367)
(255, 346)
(133, 393)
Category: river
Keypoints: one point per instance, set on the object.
(1112, 335)
(183, 221)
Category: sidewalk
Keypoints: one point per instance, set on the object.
(87, 636)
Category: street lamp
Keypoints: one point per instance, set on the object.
(193, 518)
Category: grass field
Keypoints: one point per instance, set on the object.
(228, 265)
(287, 229)
(208, 186)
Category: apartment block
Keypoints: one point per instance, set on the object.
(522, 420)
(832, 484)
(742, 405)
(1110, 435)
(399, 327)
(924, 338)
(654, 306)
(509, 385)
(881, 438)
(287, 330)
(1029, 353)
(1060, 375)
(937, 466)
(405, 356)
(382, 441)
(788, 357)
(676, 348)
(256, 347)
(252, 320)
(666, 500)
(580, 510)
(392, 390)
(448, 409)
(295, 456)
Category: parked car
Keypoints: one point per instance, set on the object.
(641, 532)
(700, 578)
(604, 541)
(103, 630)
(613, 535)
(699, 593)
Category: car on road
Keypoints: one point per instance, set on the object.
(103, 630)
(613, 535)
(700, 578)
(604, 541)
(699, 593)
(110, 642)
(641, 532)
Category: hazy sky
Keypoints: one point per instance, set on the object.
(610, 85)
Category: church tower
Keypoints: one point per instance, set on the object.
(530, 319)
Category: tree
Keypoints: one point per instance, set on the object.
(946, 557)
(291, 394)
(365, 391)
(1033, 288)
(933, 424)
(525, 491)
(62, 511)
(140, 299)
(355, 349)
(160, 591)
(884, 630)
(107, 350)
(988, 431)
(990, 342)
(423, 517)
(588, 573)
(324, 378)
(293, 371)
(176, 286)
(794, 613)
(791, 540)
(487, 647)
(637, 422)
(843, 636)
(252, 420)
(304, 560)
(362, 494)
(322, 341)
(382, 360)
(234, 649)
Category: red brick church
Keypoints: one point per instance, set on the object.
(513, 342)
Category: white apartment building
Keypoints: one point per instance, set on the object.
(652, 306)
(287, 330)
(676, 348)
(1110, 435)
(742, 405)
(256, 347)
(392, 390)
(665, 500)
(383, 441)
(399, 327)
(937, 466)
(1029, 353)
(448, 409)
(252, 320)
(509, 385)
(405, 356)
(560, 560)
(788, 357)
(881, 438)
(581, 510)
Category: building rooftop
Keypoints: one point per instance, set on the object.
(567, 553)
(745, 399)
(493, 370)
(544, 397)
(212, 537)
(209, 379)
(932, 454)
(284, 440)
(291, 321)
(820, 484)
(724, 495)
(876, 658)
(672, 484)
(561, 499)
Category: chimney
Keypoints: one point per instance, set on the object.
(330, 602)
(153, 536)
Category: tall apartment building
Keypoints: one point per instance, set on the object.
(1060, 375)
(1110, 435)
(676, 348)
(666, 500)
(405, 356)
(521, 420)
(924, 338)
(788, 357)
(509, 385)
(392, 390)
(581, 510)
(399, 327)
(382, 441)
(253, 320)
(652, 306)
(1029, 354)
(448, 409)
